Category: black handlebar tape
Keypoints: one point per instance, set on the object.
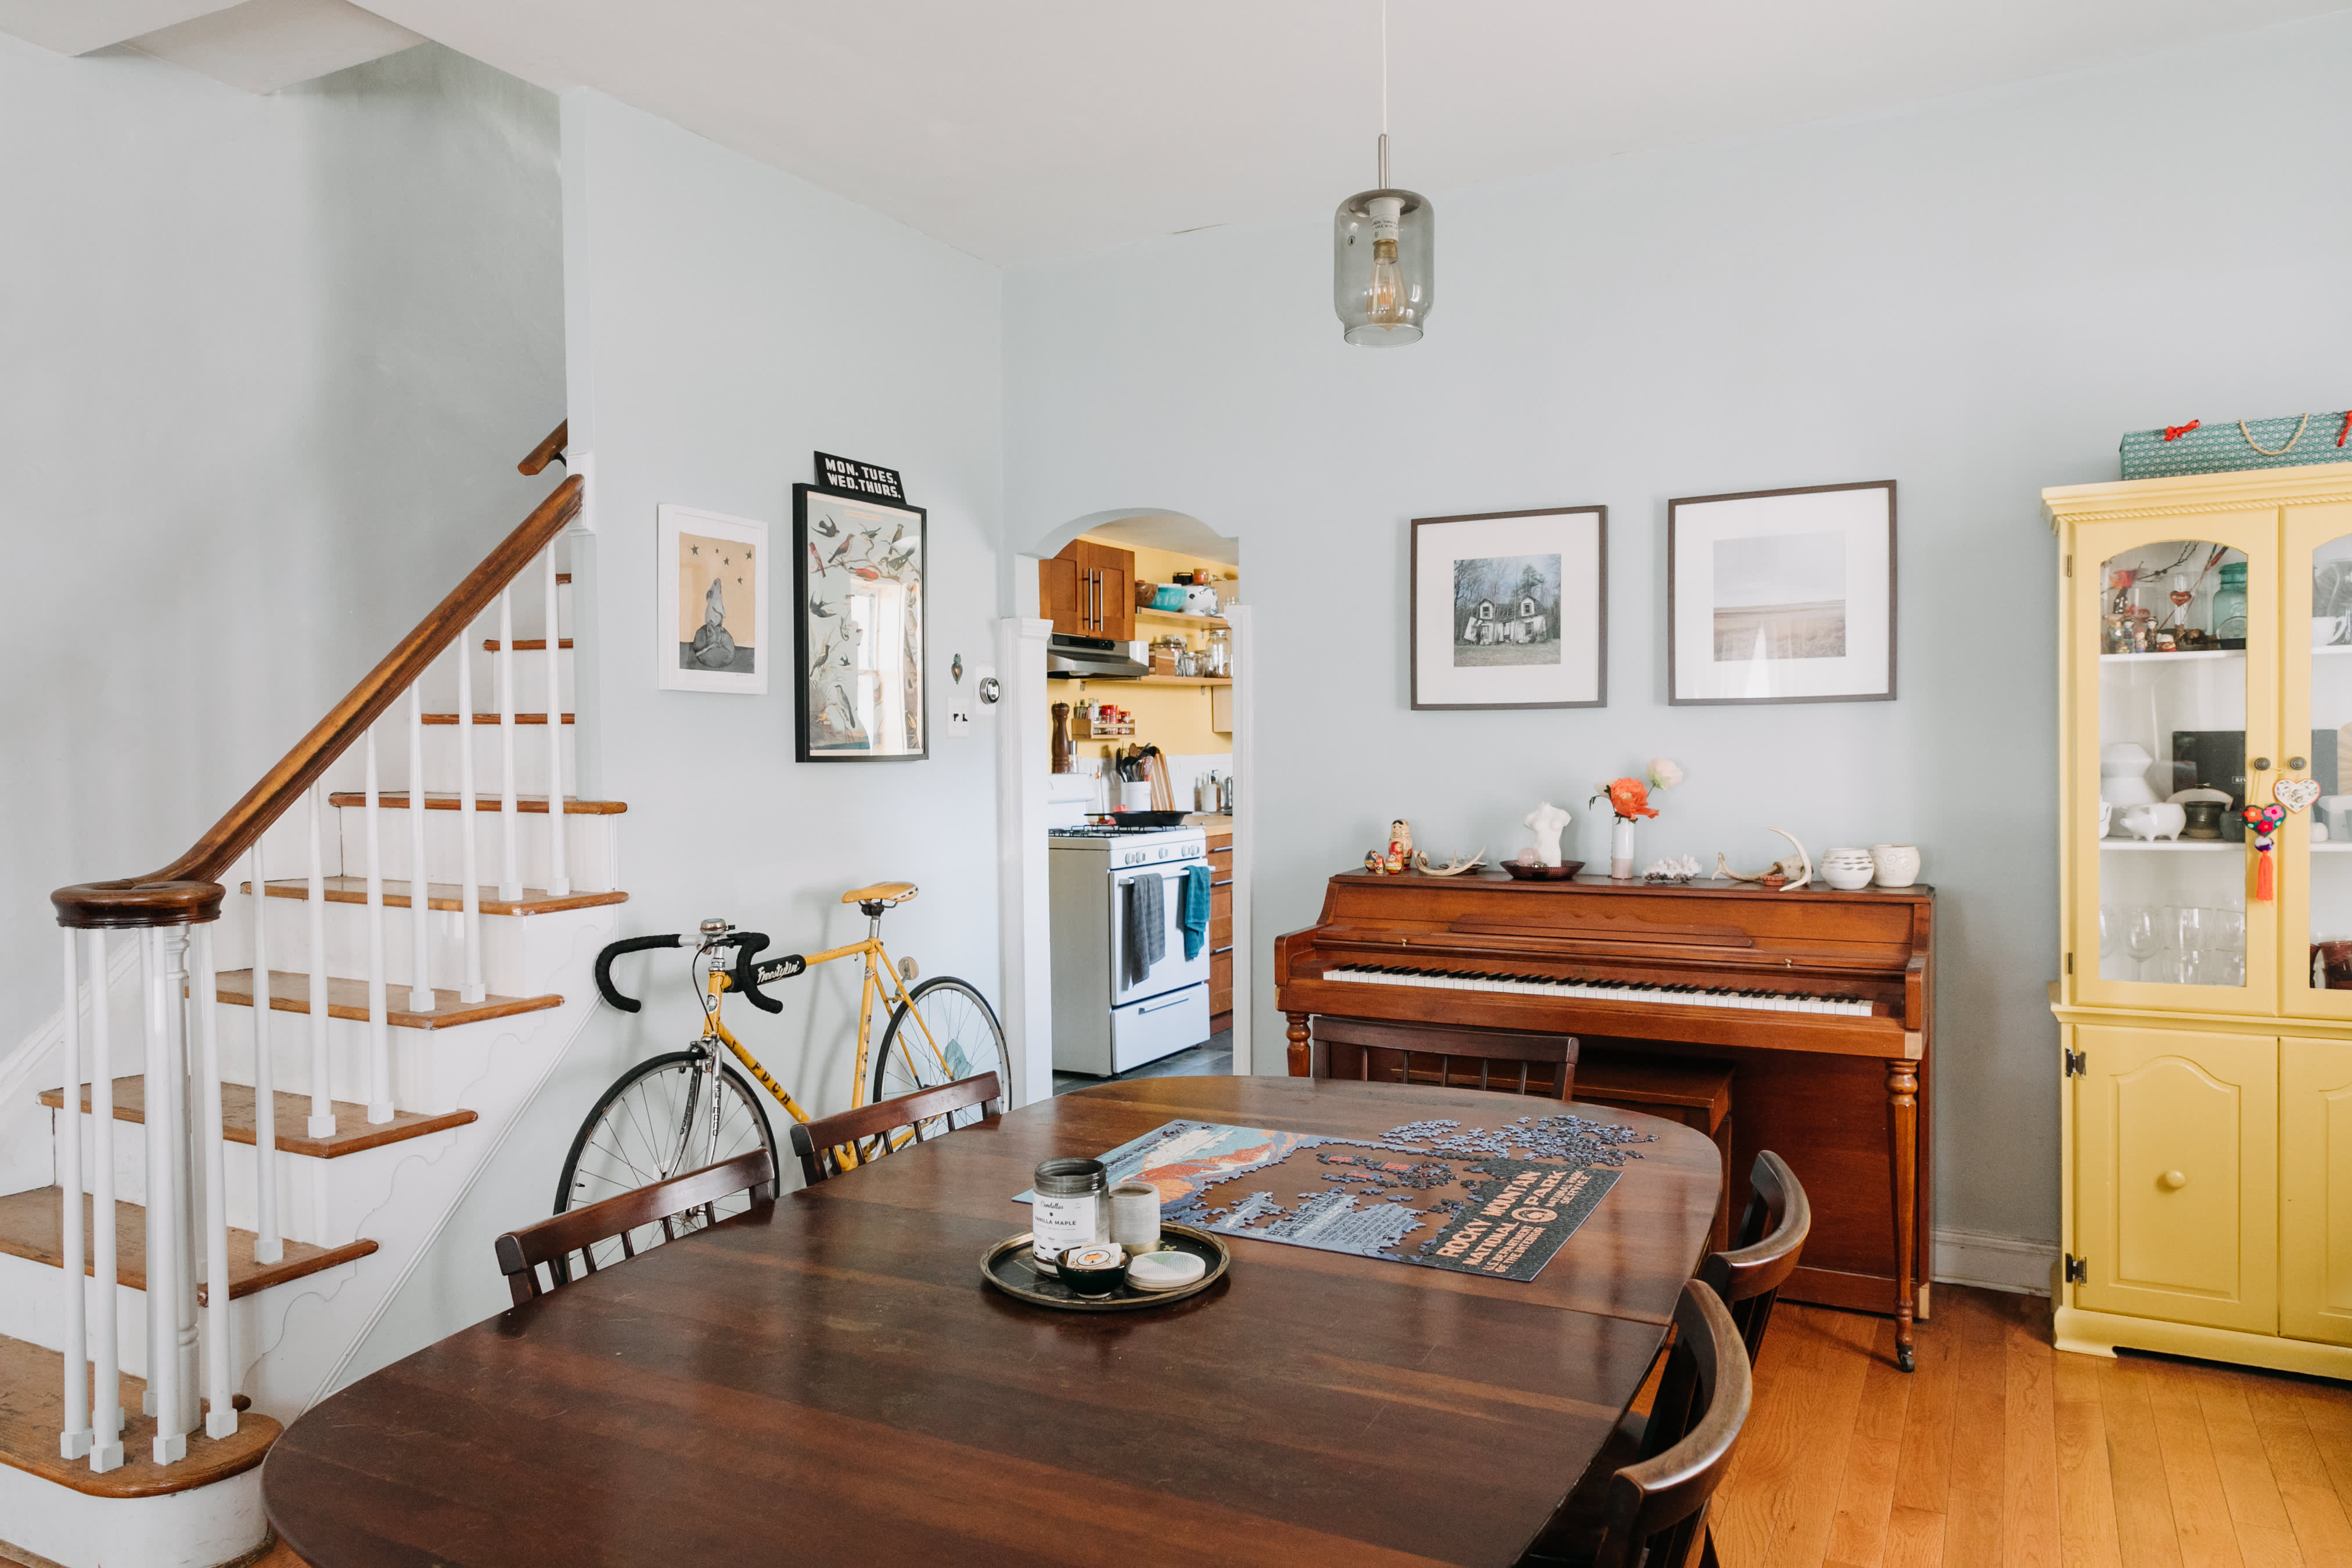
(743, 977)
(613, 951)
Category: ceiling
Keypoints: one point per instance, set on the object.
(1052, 127)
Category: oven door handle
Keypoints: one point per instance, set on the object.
(1162, 1004)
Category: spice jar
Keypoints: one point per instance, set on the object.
(1067, 1209)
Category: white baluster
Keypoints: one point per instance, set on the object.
(509, 875)
(162, 1196)
(471, 895)
(420, 891)
(559, 880)
(322, 1089)
(220, 1419)
(73, 1440)
(185, 1176)
(106, 1401)
(268, 1244)
(379, 1108)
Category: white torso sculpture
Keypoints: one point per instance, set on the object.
(1545, 822)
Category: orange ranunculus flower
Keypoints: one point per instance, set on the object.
(1630, 797)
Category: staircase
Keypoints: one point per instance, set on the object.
(280, 1064)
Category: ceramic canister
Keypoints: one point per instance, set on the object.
(1847, 868)
(1898, 864)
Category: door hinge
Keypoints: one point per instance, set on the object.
(2069, 964)
(2076, 1064)
(2078, 1271)
(2070, 566)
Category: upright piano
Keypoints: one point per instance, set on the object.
(1820, 1000)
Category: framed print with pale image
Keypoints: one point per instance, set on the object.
(1510, 609)
(712, 602)
(859, 569)
(1781, 596)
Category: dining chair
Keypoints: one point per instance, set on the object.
(1770, 1240)
(553, 1241)
(1654, 1514)
(816, 1141)
(1514, 1061)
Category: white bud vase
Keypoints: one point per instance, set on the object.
(1620, 850)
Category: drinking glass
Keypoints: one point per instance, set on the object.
(2191, 939)
(2143, 936)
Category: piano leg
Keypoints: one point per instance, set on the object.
(1302, 1053)
(1903, 1142)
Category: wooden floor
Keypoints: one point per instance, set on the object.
(2000, 1452)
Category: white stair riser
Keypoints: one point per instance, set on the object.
(508, 952)
(319, 1201)
(430, 1067)
(195, 1529)
(588, 847)
(529, 681)
(442, 770)
(33, 1308)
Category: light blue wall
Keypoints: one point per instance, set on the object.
(1973, 297)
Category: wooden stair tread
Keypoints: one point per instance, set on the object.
(539, 718)
(28, 1229)
(349, 999)
(523, 645)
(441, 896)
(33, 1411)
(397, 800)
(352, 1131)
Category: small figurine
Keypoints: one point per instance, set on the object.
(1545, 822)
(1376, 863)
(1400, 854)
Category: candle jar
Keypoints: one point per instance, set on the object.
(1066, 1207)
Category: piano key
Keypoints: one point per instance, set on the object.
(1664, 993)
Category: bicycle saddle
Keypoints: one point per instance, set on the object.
(883, 893)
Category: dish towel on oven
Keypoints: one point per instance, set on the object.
(1147, 926)
(1195, 919)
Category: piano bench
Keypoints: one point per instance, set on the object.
(1510, 1061)
(1694, 1093)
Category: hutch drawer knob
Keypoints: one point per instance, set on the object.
(2173, 1180)
(2262, 764)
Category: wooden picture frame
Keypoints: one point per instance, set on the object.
(860, 628)
(710, 608)
(1510, 609)
(1782, 596)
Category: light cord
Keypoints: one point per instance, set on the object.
(1384, 66)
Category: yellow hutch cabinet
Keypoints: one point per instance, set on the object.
(2205, 638)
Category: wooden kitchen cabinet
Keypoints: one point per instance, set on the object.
(2315, 1211)
(1061, 597)
(1089, 591)
(1220, 927)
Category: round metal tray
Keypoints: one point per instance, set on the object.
(1007, 1267)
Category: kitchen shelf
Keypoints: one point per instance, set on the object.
(2237, 653)
(2176, 845)
(1178, 618)
(1183, 680)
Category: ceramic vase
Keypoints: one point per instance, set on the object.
(1847, 869)
(1620, 850)
(1898, 864)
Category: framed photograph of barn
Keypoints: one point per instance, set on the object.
(859, 569)
(1781, 596)
(1510, 609)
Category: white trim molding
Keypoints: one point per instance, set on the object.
(1992, 1262)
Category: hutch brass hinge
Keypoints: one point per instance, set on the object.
(2070, 566)
(2076, 1064)
(2069, 964)
(2078, 1271)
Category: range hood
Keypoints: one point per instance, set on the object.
(1093, 659)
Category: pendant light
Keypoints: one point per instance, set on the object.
(1383, 249)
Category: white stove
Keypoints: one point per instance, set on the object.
(1111, 1015)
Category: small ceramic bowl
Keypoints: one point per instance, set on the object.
(1094, 1270)
(1523, 872)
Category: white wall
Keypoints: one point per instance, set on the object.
(1973, 297)
(726, 320)
(266, 367)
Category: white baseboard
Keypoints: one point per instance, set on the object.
(1994, 1262)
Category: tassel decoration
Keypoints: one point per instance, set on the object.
(2263, 822)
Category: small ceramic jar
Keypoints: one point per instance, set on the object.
(1898, 864)
(1847, 869)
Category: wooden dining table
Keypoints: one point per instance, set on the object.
(828, 1380)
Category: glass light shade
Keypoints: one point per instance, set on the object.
(1383, 265)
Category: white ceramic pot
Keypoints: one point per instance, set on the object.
(1898, 864)
(2161, 820)
(2123, 773)
(2106, 817)
(1847, 869)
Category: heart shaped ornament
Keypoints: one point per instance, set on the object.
(2295, 793)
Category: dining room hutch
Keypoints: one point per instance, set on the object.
(2204, 994)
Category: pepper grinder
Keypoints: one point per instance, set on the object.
(1065, 751)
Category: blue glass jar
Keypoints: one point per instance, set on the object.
(2229, 606)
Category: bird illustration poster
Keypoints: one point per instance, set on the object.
(714, 602)
(858, 569)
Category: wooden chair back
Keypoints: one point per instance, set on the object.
(553, 1241)
(1771, 1239)
(818, 1142)
(1655, 1512)
(1512, 1061)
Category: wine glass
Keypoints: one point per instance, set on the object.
(2190, 938)
(2143, 937)
(2227, 938)
(2111, 920)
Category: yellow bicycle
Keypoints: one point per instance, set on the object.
(687, 1108)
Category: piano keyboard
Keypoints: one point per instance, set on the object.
(1602, 990)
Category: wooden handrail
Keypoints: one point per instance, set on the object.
(548, 451)
(187, 890)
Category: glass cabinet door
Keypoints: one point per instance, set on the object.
(2172, 730)
(2316, 703)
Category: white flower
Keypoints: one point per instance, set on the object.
(1664, 774)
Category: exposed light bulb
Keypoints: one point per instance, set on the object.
(1385, 299)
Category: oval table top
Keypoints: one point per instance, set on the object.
(828, 1381)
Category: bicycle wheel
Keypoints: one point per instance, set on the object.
(646, 1128)
(953, 1034)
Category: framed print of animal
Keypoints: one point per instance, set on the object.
(1781, 596)
(858, 570)
(1510, 609)
(712, 602)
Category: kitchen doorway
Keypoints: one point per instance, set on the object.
(1130, 646)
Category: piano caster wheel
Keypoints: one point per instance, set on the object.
(1905, 1359)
